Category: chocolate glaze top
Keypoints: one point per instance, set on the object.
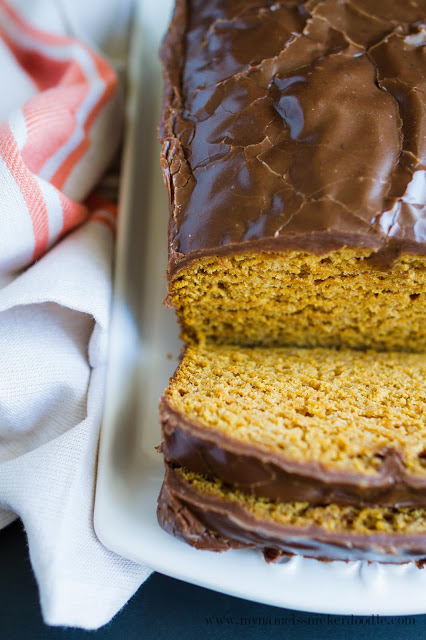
(295, 120)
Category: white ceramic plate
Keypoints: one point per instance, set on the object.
(143, 354)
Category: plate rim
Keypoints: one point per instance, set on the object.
(125, 344)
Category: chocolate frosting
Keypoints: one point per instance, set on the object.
(266, 473)
(295, 125)
(207, 522)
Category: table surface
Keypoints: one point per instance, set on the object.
(164, 608)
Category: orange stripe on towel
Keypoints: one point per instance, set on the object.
(29, 189)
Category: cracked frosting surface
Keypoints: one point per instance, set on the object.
(294, 119)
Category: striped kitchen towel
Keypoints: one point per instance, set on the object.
(60, 126)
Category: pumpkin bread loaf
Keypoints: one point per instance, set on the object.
(294, 153)
(295, 159)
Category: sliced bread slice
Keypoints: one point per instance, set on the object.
(208, 514)
(320, 425)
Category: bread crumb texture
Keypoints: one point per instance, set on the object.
(339, 408)
(331, 518)
(294, 298)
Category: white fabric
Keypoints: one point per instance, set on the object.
(53, 348)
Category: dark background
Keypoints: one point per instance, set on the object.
(165, 608)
